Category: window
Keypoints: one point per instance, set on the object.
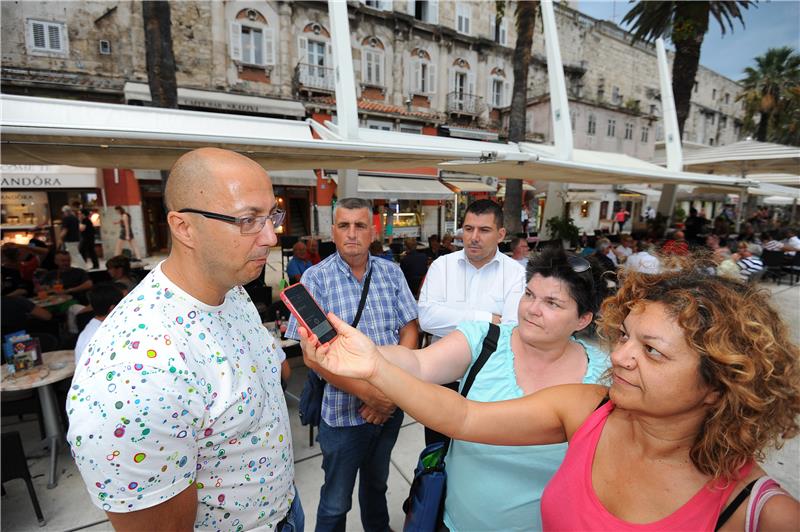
(696, 86)
(500, 92)
(592, 126)
(105, 47)
(713, 94)
(47, 37)
(499, 32)
(385, 5)
(628, 131)
(572, 120)
(723, 121)
(380, 125)
(252, 41)
(727, 98)
(316, 56)
(652, 109)
(616, 97)
(410, 128)
(423, 74)
(713, 118)
(711, 142)
(611, 130)
(463, 17)
(645, 133)
(424, 10)
(604, 210)
(372, 66)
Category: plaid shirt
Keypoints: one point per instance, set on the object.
(388, 308)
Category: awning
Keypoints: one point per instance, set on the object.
(18, 176)
(742, 158)
(469, 186)
(592, 167)
(468, 133)
(764, 189)
(399, 188)
(293, 178)
(223, 101)
(53, 131)
(526, 187)
(650, 193)
(583, 196)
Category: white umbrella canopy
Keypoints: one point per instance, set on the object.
(744, 158)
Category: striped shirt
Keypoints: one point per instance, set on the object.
(388, 308)
(749, 266)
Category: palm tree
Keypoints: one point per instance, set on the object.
(772, 89)
(686, 24)
(160, 58)
(525, 20)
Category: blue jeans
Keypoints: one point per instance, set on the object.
(296, 519)
(346, 451)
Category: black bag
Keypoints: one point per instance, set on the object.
(424, 506)
(314, 388)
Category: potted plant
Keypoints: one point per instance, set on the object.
(563, 228)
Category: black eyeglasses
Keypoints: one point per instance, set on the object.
(248, 225)
(578, 264)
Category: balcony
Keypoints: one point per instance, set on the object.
(317, 78)
(463, 103)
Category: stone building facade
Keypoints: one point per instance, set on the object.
(421, 66)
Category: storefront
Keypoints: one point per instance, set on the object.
(32, 198)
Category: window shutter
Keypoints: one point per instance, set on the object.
(236, 41)
(490, 90)
(504, 31)
(452, 80)
(302, 46)
(506, 93)
(54, 37)
(407, 77)
(492, 26)
(269, 46)
(431, 88)
(386, 5)
(364, 66)
(378, 67)
(470, 83)
(433, 11)
(328, 55)
(467, 15)
(410, 7)
(37, 35)
(416, 76)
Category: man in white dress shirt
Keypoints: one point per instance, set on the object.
(476, 283)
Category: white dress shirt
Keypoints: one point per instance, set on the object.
(455, 291)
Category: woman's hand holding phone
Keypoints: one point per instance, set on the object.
(352, 354)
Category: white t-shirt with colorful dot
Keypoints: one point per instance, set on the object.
(172, 391)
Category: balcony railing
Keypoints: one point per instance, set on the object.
(460, 102)
(316, 77)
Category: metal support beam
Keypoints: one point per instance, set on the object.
(672, 136)
(559, 109)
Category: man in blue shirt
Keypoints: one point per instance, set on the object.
(359, 424)
(299, 262)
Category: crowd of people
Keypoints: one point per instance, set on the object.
(177, 415)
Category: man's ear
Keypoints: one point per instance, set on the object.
(181, 228)
(502, 234)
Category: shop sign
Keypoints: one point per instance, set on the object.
(32, 176)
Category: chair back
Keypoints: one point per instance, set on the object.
(773, 259)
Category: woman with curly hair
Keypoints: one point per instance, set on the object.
(703, 379)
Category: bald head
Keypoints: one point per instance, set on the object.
(199, 176)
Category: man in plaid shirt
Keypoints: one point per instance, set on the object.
(359, 424)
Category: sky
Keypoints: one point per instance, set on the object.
(767, 25)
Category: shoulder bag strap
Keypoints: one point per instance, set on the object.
(489, 347)
(363, 299)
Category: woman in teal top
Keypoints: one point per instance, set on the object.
(499, 488)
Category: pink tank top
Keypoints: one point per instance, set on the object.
(570, 503)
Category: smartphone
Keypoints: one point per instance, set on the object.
(308, 313)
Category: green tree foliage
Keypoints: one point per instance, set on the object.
(772, 92)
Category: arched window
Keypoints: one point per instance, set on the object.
(592, 125)
(372, 60)
(422, 72)
(252, 40)
(499, 89)
(315, 52)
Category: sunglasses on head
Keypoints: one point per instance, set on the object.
(578, 264)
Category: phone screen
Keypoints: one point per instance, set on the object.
(307, 311)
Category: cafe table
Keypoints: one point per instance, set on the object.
(56, 366)
(54, 302)
(285, 342)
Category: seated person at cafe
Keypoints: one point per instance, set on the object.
(414, 265)
(13, 285)
(376, 250)
(520, 250)
(298, 263)
(312, 250)
(72, 280)
(103, 298)
(19, 313)
(435, 249)
(750, 266)
(119, 268)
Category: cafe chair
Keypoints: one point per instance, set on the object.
(19, 403)
(774, 262)
(14, 465)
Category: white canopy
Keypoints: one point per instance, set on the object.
(742, 158)
(400, 187)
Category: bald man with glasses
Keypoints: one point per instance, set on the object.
(177, 415)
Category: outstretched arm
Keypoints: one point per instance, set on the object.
(549, 416)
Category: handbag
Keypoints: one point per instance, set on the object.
(424, 506)
(311, 397)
